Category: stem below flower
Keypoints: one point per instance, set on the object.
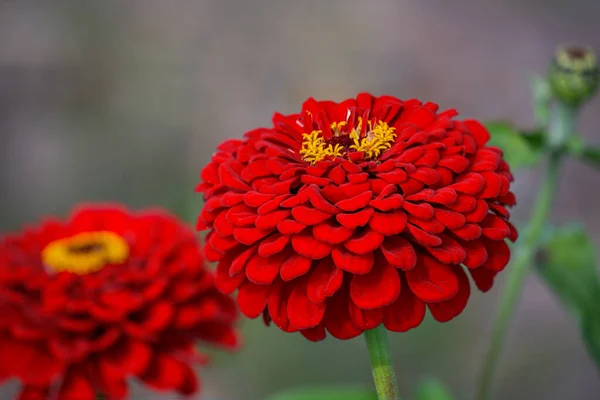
(381, 364)
(524, 257)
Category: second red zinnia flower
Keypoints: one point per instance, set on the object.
(107, 295)
(354, 214)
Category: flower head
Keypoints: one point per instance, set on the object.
(573, 74)
(354, 214)
(107, 295)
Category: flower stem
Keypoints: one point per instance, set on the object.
(381, 364)
(526, 251)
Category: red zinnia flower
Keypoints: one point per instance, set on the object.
(353, 214)
(107, 295)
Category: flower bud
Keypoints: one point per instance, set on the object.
(573, 74)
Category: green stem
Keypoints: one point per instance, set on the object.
(381, 363)
(524, 257)
(562, 124)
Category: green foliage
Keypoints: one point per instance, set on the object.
(432, 389)
(567, 263)
(326, 394)
(586, 153)
(521, 150)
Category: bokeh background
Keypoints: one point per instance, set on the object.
(126, 100)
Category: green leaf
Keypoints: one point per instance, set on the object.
(586, 153)
(567, 263)
(521, 150)
(326, 394)
(590, 329)
(432, 389)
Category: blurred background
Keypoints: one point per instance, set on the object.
(126, 101)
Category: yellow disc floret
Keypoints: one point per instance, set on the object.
(376, 141)
(85, 252)
(315, 149)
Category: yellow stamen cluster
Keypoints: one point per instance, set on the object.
(85, 252)
(315, 149)
(378, 140)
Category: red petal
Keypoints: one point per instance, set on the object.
(468, 232)
(239, 263)
(463, 204)
(222, 225)
(495, 228)
(76, 386)
(330, 232)
(399, 252)
(230, 178)
(353, 221)
(324, 281)
(337, 318)
(272, 204)
(28, 362)
(365, 319)
(485, 160)
(406, 313)
(294, 267)
(498, 254)
(315, 334)
(252, 298)
(481, 135)
(289, 227)
(225, 283)
(483, 278)
(128, 356)
(388, 223)
(423, 238)
(353, 263)
(476, 253)
(447, 310)
(263, 270)
(364, 242)
(354, 189)
(444, 196)
(273, 245)
(256, 199)
(449, 252)
(450, 219)
(230, 199)
(493, 185)
(395, 177)
(470, 183)
(250, 236)
(271, 220)
(319, 202)
(454, 162)
(309, 216)
(432, 281)
(421, 211)
(376, 289)
(307, 246)
(277, 305)
(392, 202)
(165, 372)
(356, 202)
(302, 312)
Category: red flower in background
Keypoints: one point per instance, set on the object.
(353, 214)
(106, 296)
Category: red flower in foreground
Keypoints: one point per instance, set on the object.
(353, 214)
(106, 296)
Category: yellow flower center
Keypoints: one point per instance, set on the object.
(372, 143)
(85, 252)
